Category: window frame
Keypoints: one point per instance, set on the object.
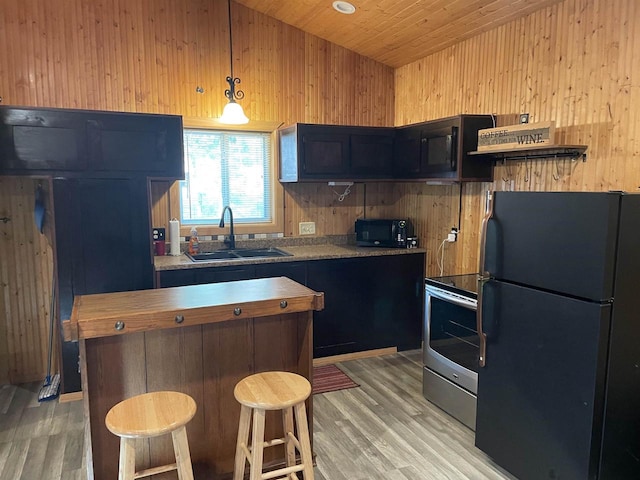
(276, 225)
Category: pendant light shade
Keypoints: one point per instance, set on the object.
(233, 113)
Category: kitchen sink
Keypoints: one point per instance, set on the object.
(238, 254)
(262, 252)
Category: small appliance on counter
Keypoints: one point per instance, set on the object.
(380, 232)
(451, 345)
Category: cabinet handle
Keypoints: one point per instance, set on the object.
(237, 311)
(283, 304)
(119, 325)
(179, 318)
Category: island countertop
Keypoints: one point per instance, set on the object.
(119, 313)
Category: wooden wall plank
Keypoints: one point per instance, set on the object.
(26, 269)
(574, 63)
(149, 56)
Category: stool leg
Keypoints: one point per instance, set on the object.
(243, 439)
(257, 444)
(127, 467)
(183, 457)
(303, 438)
(287, 424)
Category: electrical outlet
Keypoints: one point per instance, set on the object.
(307, 228)
(453, 235)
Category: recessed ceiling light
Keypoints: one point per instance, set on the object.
(344, 7)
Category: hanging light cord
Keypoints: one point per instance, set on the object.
(231, 93)
(230, 38)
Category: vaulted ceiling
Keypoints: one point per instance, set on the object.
(397, 32)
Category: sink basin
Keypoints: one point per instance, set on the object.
(218, 255)
(262, 252)
(238, 254)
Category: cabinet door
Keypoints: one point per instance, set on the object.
(296, 271)
(34, 140)
(102, 245)
(196, 276)
(325, 151)
(406, 153)
(177, 278)
(338, 327)
(372, 153)
(396, 298)
(149, 144)
(225, 274)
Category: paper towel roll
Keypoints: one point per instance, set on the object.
(174, 236)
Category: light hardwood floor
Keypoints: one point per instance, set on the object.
(382, 430)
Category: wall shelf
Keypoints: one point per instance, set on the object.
(544, 151)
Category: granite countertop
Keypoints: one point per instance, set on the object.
(299, 253)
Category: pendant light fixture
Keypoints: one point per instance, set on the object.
(233, 113)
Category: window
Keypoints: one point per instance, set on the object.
(226, 168)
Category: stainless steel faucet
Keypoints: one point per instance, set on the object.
(231, 240)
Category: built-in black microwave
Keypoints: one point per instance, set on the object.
(378, 232)
(439, 150)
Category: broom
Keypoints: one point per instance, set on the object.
(51, 387)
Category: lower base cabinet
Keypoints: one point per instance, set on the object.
(370, 302)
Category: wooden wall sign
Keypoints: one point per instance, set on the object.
(513, 137)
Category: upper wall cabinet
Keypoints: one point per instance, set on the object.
(440, 149)
(89, 144)
(435, 150)
(316, 153)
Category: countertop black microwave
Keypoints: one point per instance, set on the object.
(383, 232)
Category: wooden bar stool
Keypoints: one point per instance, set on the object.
(273, 391)
(150, 415)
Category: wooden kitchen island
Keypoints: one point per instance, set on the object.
(200, 340)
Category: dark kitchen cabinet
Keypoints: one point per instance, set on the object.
(42, 140)
(439, 150)
(435, 150)
(333, 152)
(371, 152)
(99, 163)
(197, 276)
(102, 245)
(370, 303)
(89, 144)
(136, 143)
(296, 271)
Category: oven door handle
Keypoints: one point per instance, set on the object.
(485, 276)
(452, 298)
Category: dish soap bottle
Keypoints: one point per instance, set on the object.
(194, 246)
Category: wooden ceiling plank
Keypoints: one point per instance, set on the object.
(398, 32)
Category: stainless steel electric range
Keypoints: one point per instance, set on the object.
(451, 345)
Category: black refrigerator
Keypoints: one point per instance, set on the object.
(559, 322)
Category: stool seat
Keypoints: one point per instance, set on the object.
(272, 390)
(150, 414)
